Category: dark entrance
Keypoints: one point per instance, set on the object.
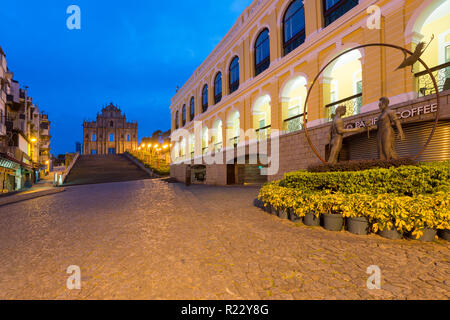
(231, 174)
(112, 151)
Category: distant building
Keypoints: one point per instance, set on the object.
(24, 135)
(78, 147)
(110, 134)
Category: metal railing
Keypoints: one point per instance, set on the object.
(218, 146)
(234, 141)
(353, 105)
(425, 85)
(263, 133)
(293, 124)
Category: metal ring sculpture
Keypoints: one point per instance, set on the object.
(405, 51)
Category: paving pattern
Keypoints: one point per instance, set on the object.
(152, 240)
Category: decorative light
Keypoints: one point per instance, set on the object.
(33, 139)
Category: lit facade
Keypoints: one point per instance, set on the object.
(111, 133)
(24, 139)
(258, 76)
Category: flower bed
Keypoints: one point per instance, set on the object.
(406, 199)
(163, 169)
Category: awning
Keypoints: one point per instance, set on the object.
(9, 162)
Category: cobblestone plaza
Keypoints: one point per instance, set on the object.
(153, 240)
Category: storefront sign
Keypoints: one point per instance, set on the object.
(405, 114)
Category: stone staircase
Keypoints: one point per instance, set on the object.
(92, 169)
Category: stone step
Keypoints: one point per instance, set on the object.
(103, 169)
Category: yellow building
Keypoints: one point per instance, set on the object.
(257, 79)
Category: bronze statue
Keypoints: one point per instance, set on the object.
(411, 60)
(386, 134)
(337, 134)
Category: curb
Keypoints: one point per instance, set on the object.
(24, 197)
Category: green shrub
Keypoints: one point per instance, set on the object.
(405, 180)
(360, 165)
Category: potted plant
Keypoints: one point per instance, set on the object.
(383, 216)
(442, 211)
(308, 208)
(354, 211)
(330, 207)
(424, 214)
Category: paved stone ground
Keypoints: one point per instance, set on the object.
(152, 240)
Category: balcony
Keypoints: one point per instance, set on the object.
(353, 105)
(425, 85)
(263, 133)
(293, 124)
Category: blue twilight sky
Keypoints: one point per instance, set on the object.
(133, 53)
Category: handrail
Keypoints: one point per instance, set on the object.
(294, 117)
(439, 67)
(344, 100)
(69, 168)
(264, 128)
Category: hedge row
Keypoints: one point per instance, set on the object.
(359, 165)
(405, 180)
(404, 213)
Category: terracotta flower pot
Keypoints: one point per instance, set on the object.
(333, 222)
(311, 220)
(359, 226)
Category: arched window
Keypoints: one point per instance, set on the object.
(177, 120)
(111, 124)
(94, 137)
(294, 26)
(234, 74)
(218, 88)
(262, 52)
(334, 9)
(192, 109)
(205, 98)
(111, 137)
(183, 116)
(128, 138)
